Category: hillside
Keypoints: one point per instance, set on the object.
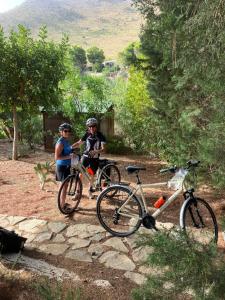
(109, 24)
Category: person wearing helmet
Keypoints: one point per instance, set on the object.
(63, 150)
(94, 145)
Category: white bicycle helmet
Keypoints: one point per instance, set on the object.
(91, 122)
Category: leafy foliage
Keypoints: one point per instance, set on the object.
(79, 57)
(30, 71)
(96, 57)
(183, 44)
(133, 105)
(43, 171)
(189, 270)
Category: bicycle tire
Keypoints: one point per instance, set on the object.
(73, 194)
(109, 202)
(198, 221)
(109, 175)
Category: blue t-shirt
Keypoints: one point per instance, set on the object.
(65, 152)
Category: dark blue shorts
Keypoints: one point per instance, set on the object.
(62, 172)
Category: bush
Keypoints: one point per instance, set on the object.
(116, 145)
(190, 270)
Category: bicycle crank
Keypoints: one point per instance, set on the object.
(148, 222)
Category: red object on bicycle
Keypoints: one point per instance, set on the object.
(90, 171)
(160, 202)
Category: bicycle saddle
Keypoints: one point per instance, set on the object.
(132, 169)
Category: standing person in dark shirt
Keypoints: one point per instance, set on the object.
(94, 145)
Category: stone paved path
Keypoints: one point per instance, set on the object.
(84, 243)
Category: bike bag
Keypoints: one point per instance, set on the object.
(10, 242)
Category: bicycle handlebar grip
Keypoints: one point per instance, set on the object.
(170, 169)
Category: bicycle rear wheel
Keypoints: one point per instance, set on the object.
(70, 194)
(118, 211)
(199, 222)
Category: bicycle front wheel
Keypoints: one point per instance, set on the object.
(118, 211)
(109, 175)
(199, 222)
(70, 194)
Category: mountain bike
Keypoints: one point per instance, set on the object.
(70, 192)
(121, 211)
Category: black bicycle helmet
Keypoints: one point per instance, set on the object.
(91, 122)
(65, 126)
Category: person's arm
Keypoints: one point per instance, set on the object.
(102, 149)
(58, 152)
(77, 144)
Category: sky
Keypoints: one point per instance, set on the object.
(9, 4)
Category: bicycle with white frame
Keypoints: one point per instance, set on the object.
(121, 212)
(70, 192)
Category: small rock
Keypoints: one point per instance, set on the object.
(116, 260)
(79, 255)
(59, 238)
(150, 270)
(141, 254)
(98, 237)
(56, 227)
(96, 250)
(76, 229)
(136, 277)
(13, 220)
(132, 241)
(54, 249)
(78, 243)
(164, 226)
(32, 225)
(46, 236)
(102, 283)
(117, 244)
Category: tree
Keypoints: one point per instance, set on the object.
(133, 105)
(96, 57)
(129, 57)
(183, 42)
(30, 71)
(79, 57)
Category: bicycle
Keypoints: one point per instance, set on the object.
(70, 192)
(123, 213)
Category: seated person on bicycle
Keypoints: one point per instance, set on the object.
(94, 145)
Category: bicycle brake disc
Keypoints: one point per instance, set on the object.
(148, 222)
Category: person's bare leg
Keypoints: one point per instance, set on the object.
(91, 187)
(63, 195)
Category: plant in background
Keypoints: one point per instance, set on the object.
(96, 57)
(43, 171)
(30, 71)
(189, 270)
(55, 291)
(78, 55)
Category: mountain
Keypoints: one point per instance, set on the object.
(108, 24)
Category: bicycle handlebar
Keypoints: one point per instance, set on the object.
(190, 164)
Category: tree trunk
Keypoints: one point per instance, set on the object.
(15, 137)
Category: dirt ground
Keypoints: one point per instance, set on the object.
(20, 194)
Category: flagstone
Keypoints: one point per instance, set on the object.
(56, 227)
(79, 255)
(54, 249)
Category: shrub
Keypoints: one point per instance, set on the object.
(116, 145)
(190, 270)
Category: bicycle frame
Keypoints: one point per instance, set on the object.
(79, 167)
(140, 188)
